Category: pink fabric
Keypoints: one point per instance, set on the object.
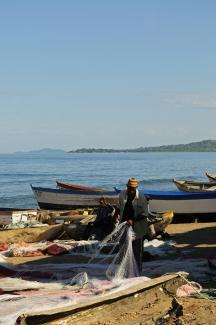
(28, 254)
(187, 290)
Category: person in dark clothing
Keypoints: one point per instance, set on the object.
(134, 210)
(104, 223)
(105, 217)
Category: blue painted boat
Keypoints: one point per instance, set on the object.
(182, 203)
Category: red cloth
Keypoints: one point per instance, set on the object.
(3, 247)
(56, 250)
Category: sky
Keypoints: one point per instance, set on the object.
(106, 74)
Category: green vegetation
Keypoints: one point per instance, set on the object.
(202, 146)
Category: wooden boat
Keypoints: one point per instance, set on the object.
(191, 186)
(30, 235)
(49, 198)
(182, 203)
(211, 177)
(70, 186)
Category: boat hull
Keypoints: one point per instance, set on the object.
(191, 186)
(183, 203)
(211, 177)
(64, 199)
(70, 186)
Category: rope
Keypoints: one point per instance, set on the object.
(191, 284)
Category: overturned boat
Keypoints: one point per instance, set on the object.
(192, 186)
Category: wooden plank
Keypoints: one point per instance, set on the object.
(40, 317)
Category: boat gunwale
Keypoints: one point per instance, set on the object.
(74, 192)
(159, 195)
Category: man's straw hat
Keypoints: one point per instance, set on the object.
(132, 182)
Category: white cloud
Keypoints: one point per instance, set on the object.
(190, 100)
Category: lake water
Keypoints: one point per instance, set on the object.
(153, 170)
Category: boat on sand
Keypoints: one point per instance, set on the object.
(192, 186)
(49, 198)
(183, 203)
(70, 186)
(211, 177)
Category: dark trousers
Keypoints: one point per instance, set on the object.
(137, 245)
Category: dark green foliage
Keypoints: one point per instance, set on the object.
(202, 146)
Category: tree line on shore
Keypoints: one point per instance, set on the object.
(201, 146)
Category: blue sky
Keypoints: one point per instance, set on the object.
(111, 74)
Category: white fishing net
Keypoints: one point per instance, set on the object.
(80, 280)
(122, 264)
(33, 301)
(109, 270)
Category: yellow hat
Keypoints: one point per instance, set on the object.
(132, 182)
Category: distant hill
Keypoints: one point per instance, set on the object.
(202, 146)
(45, 151)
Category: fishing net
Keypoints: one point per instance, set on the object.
(122, 264)
(32, 289)
(80, 280)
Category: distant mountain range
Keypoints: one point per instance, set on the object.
(202, 146)
(45, 151)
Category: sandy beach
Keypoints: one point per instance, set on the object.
(195, 240)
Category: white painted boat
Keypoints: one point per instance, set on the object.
(192, 186)
(49, 198)
(182, 203)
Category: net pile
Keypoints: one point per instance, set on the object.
(122, 264)
(32, 289)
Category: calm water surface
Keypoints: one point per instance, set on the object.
(153, 170)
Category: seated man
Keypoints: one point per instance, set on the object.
(159, 225)
(105, 222)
